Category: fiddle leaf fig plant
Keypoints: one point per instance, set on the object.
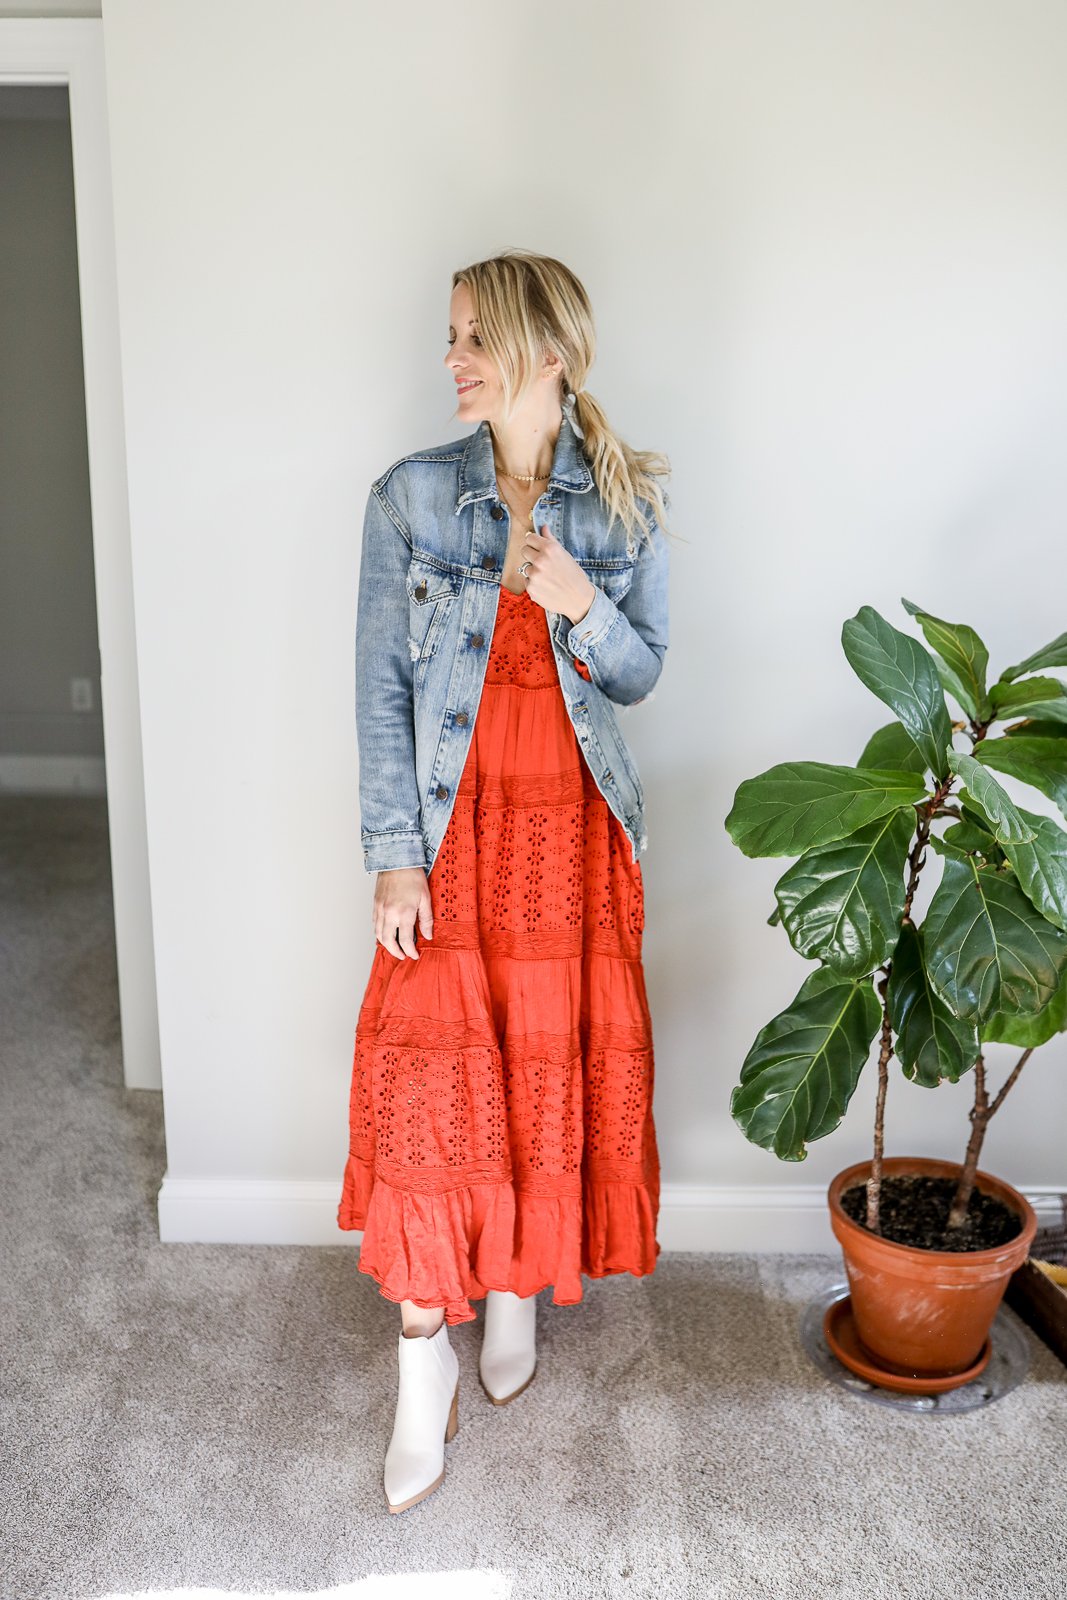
(988, 964)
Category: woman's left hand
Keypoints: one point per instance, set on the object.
(553, 578)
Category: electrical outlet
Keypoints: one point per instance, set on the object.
(81, 694)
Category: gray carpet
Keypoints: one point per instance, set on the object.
(192, 1417)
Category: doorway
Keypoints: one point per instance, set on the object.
(71, 774)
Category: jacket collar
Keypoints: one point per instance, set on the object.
(477, 471)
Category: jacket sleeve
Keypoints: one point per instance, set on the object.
(390, 820)
(622, 645)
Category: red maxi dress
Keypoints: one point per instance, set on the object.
(501, 1103)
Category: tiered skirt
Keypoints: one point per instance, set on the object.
(501, 1128)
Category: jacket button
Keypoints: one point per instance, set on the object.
(441, 792)
(420, 590)
(462, 719)
(496, 513)
(489, 561)
(477, 641)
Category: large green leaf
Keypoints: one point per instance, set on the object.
(1030, 1031)
(1046, 696)
(1035, 845)
(1042, 763)
(964, 658)
(842, 902)
(899, 671)
(893, 749)
(931, 1043)
(1050, 655)
(987, 948)
(803, 1067)
(993, 802)
(1041, 866)
(799, 805)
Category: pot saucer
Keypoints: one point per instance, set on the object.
(839, 1329)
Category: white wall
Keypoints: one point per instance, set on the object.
(826, 245)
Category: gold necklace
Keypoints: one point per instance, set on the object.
(524, 477)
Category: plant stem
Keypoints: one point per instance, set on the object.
(1015, 1071)
(981, 1114)
(874, 1181)
(917, 859)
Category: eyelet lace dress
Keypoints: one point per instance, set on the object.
(501, 1105)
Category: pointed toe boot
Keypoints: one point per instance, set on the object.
(508, 1357)
(427, 1417)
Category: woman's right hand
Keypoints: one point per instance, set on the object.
(402, 896)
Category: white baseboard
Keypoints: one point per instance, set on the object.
(52, 775)
(746, 1218)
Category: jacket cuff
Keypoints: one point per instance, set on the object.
(580, 638)
(587, 634)
(384, 851)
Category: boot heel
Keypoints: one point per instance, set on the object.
(453, 1418)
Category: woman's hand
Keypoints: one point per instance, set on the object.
(402, 896)
(554, 579)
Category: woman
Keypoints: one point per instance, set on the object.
(512, 592)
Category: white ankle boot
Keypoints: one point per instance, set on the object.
(427, 1417)
(509, 1345)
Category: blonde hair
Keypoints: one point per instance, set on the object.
(529, 304)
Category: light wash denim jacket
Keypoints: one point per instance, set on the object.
(434, 540)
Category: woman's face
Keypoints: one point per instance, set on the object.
(479, 391)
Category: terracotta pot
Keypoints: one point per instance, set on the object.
(926, 1313)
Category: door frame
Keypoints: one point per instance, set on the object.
(70, 51)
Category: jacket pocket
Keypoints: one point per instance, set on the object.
(428, 583)
(431, 591)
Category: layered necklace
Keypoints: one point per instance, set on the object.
(521, 477)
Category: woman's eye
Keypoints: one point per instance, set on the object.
(474, 336)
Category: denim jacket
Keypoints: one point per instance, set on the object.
(435, 536)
